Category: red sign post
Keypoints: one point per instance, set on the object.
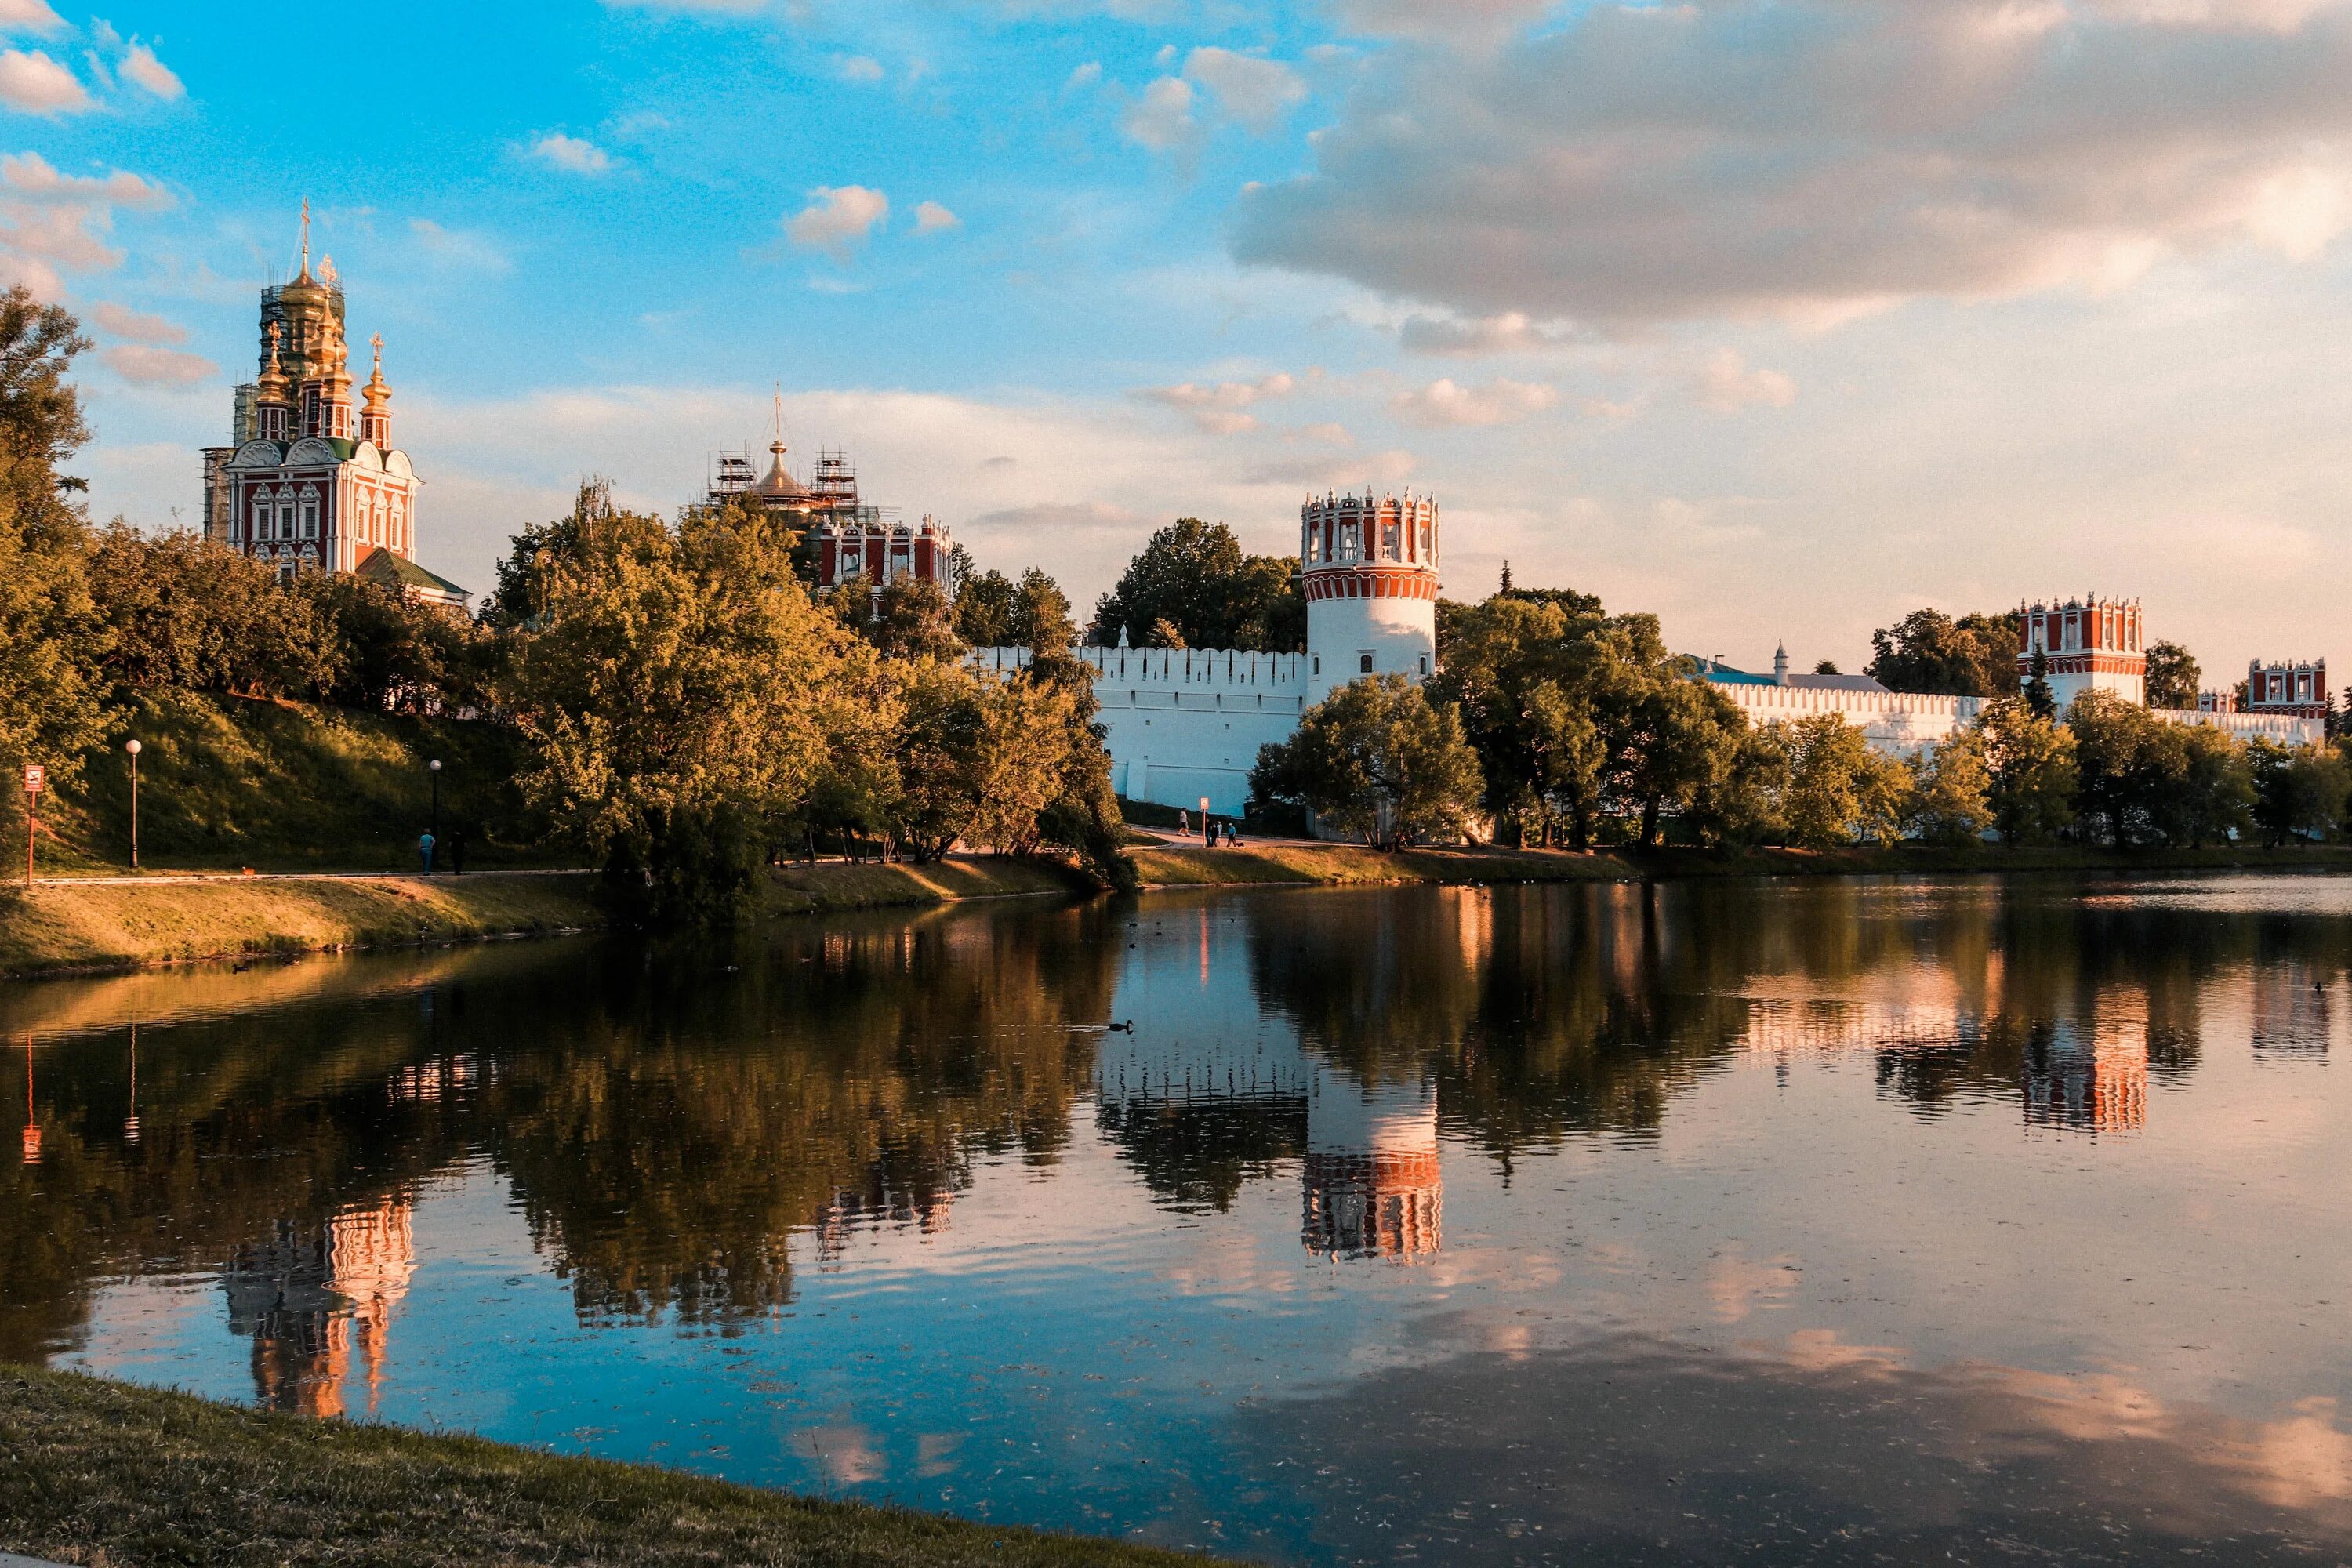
(35, 777)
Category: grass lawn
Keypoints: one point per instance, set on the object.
(104, 1473)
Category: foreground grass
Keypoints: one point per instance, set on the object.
(1293, 864)
(104, 1473)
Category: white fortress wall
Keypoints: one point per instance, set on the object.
(1181, 723)
(1904, 723)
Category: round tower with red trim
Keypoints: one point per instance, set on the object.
(1368, 566)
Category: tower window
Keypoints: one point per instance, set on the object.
(1318, 664)
(1364, 663)
(1424, 664)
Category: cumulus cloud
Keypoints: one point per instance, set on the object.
(1257, 91)
(35, 84)
(572, 154)
(1478, 19)
(142, 69)
(30, 16)
(837, 219)
(151, 366)
(859, 68)
(1813, 159)
(1084, 77)
(931, 217)
(1447, 402)
(1222, 407)
(1512, 331)
(1726, 385)
(121, 321)
(1162, 119)
(51, 220)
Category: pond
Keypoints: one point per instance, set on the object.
(1775, 1220)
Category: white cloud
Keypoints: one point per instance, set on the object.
(572, 154)
(1446, 402)
(35, 84)
(1818, 159)
(1367, 471)
(1084, 77)
(30, 16)
(859, 68)
(1258, 92)
(931, 217)
(837, 219)
(458, 247)
(1470, 19)
(1222, 407)
(120, 321)
(151, 366)
(1161, 120)
(140, 66)
(1509, 332)
(1726, 385)
(51, 220)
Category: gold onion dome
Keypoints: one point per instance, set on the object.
(377, 393)
(776, 484)
(273, 384)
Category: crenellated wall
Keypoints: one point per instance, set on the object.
(1904, 723)
(1184, 724)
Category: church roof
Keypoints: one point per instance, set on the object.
(397, 571)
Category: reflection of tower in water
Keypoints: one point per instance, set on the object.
(1373, 1189)
(309, 1297)
(2099, 1085)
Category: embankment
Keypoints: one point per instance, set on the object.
(1296, 864)
(66, 926)
(104, 1472)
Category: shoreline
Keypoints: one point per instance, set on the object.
(97, 1470)
(110, 924)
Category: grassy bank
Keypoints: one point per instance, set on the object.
(96, 1472)
(66, 926)
(230, 781)
(1172, 866)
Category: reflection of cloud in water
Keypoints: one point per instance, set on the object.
(1636, 1449)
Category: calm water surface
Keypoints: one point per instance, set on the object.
(1768, 1222)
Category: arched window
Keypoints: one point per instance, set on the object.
(286, 520)
(399, 516)
(260, 520)
(1392, 543)
(310, 514)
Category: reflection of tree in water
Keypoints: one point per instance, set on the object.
(692, 1118)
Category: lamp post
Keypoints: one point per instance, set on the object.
(132, 746)
(435, 767)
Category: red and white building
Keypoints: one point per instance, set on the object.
(2295, 691)
(2093, 644)
(848, 541)
(314, 482)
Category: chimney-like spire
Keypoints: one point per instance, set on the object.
(1780, 664)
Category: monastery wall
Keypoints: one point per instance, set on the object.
(1903, 725)
(1181, 723)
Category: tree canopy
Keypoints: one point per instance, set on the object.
(1930, 652)
(1192, 586)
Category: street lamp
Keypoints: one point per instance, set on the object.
(132, 746)
(435, 766)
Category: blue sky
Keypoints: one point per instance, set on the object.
(1778, 317)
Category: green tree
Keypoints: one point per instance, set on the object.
(1746, 803)
(1839, 789)
(909, 618)
(1951, 790)
(1928, 651)
(2215, 788)
(1377, 759)
(986, 609)
(2039, 700)
(2132, 770)
(1670, 741)
(51, 637)
(2172, 676)
(1190, 586)
(182, 611)
(2298, 792)
(684, 696)
(2031, 760)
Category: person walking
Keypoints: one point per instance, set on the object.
(458, 849)
(425, 851)
(1183, 823)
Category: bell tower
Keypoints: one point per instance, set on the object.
(1368, 566)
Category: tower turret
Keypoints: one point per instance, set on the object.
(335, 384)
(1368, 566)
(272, 397)
(375, 414)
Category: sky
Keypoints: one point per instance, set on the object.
(1777, 318)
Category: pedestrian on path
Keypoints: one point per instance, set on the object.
(425, 851)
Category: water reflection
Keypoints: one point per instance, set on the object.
(1320, 1225)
